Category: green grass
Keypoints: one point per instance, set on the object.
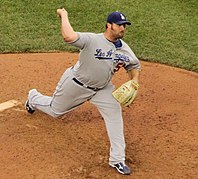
(164, 31)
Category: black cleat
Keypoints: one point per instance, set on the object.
(121, 168)
(28, 108)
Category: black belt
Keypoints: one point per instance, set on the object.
(81, 84)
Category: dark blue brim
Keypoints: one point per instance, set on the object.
(123, 22)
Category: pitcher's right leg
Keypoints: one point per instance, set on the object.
(67, 96)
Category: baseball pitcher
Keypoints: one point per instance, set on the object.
(101, 55)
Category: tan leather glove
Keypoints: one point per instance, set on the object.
(126, 93)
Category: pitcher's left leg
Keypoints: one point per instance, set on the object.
(111, 111)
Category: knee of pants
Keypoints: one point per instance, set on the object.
(53, 112)
(54, 115)
(56, 112)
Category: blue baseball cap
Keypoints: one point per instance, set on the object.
(117, 18)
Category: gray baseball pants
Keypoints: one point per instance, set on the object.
(69, 95)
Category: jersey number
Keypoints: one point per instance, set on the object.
(118, 66)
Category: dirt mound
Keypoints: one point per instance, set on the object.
(161, 127)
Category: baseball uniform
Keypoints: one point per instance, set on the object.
(90, 79)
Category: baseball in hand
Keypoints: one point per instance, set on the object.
(60, 12)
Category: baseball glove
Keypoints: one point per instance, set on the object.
(126, 93)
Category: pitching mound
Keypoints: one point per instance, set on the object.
(161, 127)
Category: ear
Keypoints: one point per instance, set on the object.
(108, 25)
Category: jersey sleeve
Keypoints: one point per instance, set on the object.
(82, 40)
(134, 62)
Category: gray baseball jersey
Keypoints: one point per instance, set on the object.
(99, 59)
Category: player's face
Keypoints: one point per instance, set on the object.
(118, 31)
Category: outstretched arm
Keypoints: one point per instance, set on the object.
(67, 31)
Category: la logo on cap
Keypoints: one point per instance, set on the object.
(122, 16)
